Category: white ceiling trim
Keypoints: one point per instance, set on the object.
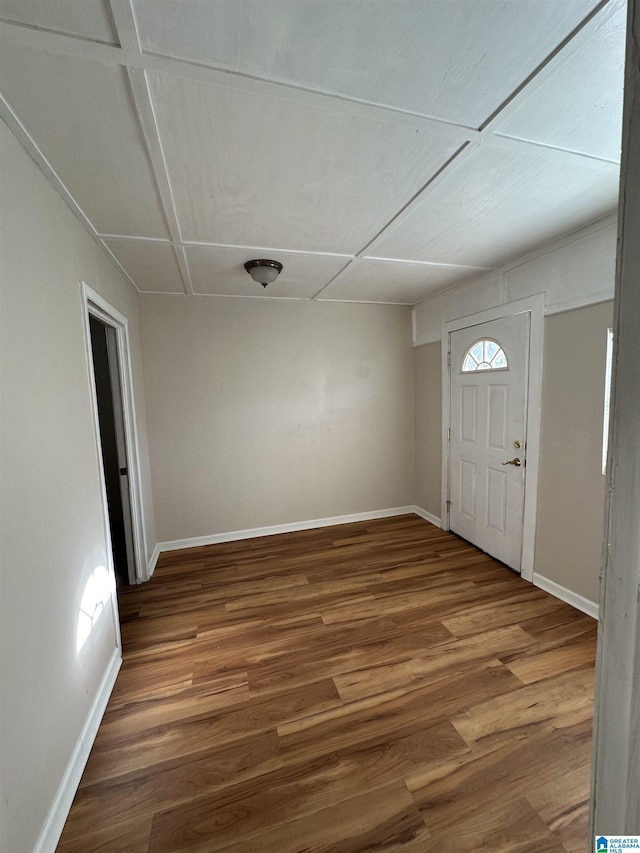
(119, 265)
(29, 144)
(487, 135)
(253, 248)
(344, 272)
(574, 43)
(564, 51)
(315, 297)
(560, 242)
(135, 238)
(146, 116)
(543, 149)
(273, 250)
(261, 296)
(368, 302)
(181, 257)
(448, 169)
(611, 220)
(134, 58)
(187, 244)
(131, 56)
(203, 244)
(111, 56)
(435, 264)
(126, 26)
(127, 33)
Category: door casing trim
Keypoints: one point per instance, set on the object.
(95, 305)
(534, 306)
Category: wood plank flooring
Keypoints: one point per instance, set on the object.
(380, 686)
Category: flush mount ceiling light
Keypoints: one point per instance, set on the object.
(263, 271)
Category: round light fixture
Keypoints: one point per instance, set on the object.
(263, 271)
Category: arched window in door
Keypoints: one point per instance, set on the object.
(485, 354)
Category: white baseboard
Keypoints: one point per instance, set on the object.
(59, 811)
(591, 608)
(293, 527)
(153, 562)
(427, 516)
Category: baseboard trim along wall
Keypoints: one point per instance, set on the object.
(591, 608)
(427, 516)
(153, 561)
(293, 527)
(59, 811)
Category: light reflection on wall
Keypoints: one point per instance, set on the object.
(97, 593)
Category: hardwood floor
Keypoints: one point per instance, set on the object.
(380, 686)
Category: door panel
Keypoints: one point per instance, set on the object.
(498, 416)
(469, 413)
(497, 500)
(468, 489)
(488, 416)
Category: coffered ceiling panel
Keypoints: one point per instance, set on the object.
(80, 114)
(251, 169)
(205, 31)
(578, 107)
(384, 149)
(220, 270)
(367, 280)
(151, 266)
(88, 18)
(500, 204)
(454, 60)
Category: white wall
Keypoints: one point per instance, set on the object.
(264, 412)
(52, 530)
(570, 521)
(578, 270)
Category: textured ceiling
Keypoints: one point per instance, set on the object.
(382, 151)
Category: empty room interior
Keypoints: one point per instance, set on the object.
(308, 328)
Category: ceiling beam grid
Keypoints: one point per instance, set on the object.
(130, 55)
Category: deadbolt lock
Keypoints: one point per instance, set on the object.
(517, 445)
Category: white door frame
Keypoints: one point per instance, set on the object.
(96, 306)
(615, 786)
(534, 305)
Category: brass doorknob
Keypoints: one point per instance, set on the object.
(515, 462)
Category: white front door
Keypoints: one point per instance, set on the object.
(489, 376)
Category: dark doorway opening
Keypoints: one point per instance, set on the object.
(111, 420)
